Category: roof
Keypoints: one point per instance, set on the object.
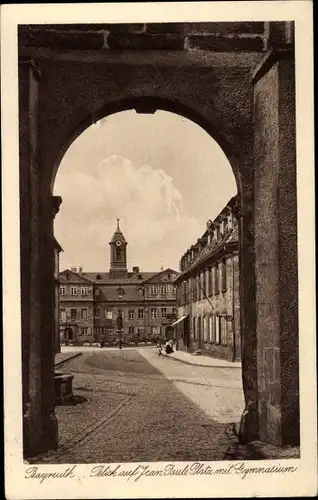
(118, 235)
(229, 240)
(161, 273)
(74, 277)
(106, 279)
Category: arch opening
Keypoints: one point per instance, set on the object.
(150, 105)
(206, 298)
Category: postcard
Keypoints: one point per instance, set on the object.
(158, 221)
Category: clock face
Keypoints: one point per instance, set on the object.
(118, 243)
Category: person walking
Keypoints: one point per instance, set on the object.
(159, 349)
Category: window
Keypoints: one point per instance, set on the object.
(173, 290)
(174, 311)
(63, 314)
(216, 280)
(118, 253)
(210, 291)
(84, 290)
(96, 312)
(194, 289)
(206, 326)
(204, 284)
(163, 290)
(131, 330)
(73, 290)
(140, 314)
(194, 328)
(131, 314)
(108, 314)
(230, 222)
(217, 329)
(153, 290)
(163, 312)
(153, 312)
(98, 330)
(109, 331)
(211, 329)
(198, 287)
(84, 330)
(199, 326)
(73, 313)
(223, 330)
(63, 290)
(223, 275)
(83, 313)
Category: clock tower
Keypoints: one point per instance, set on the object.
(118, 255)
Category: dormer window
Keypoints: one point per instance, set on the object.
(98, 277)
(120, 292)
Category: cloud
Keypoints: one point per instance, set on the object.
(151, 209)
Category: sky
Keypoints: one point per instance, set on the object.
(161, 175)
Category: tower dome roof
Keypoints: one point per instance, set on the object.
(118, 235)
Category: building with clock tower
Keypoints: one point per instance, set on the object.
(118, 255)
(102, 306)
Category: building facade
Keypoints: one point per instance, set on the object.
(118, 304)
(208, 291)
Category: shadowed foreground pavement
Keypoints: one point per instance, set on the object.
(127, 410)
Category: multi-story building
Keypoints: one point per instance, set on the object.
(101, 306)
(208, 290)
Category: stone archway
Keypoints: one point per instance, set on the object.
(244, 98)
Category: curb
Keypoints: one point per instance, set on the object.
(202, 366)
(72, 356)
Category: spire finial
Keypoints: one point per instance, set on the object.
(118, 224)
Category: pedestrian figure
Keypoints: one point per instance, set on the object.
(159, 349)
(169, 349)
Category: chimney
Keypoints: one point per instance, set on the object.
(74, 269)
(135, 270)
(80, 269)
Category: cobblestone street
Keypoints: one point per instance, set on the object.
(132, 405)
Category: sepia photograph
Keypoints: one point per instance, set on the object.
(158, 253)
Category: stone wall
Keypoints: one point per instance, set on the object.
(276, 257)
(218, 76)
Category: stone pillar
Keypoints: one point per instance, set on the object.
(276, 248)
(37, 338)
(49, 208)
(244, 212)
(29, 77)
